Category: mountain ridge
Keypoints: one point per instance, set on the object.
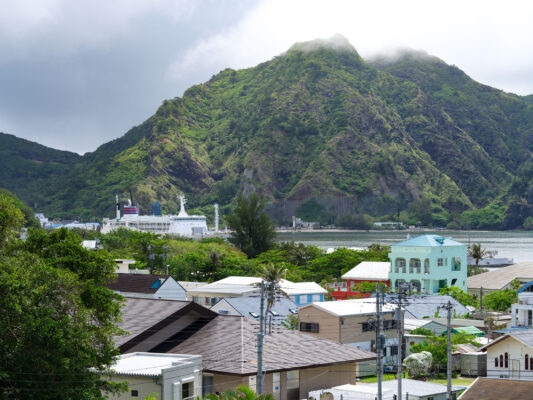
(317, 122)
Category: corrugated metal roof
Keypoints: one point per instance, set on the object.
(371, 270)
(136, 283)
(228, 344)
(346, 308)
(429, 241)
(147, 364)
(501, 277)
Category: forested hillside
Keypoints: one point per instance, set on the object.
(320, 129)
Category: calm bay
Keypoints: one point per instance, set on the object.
(517, 245)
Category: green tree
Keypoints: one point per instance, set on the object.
(292, 322)
(58, 319)
(242, 392)
(253, 231)
(476, 252)
(215, 258)
(438, 346)
(465, 298)
(11, 220)
(500, 300)
(272, 274)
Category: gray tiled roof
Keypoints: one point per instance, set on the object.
(498, 389)
(228, 344)
(426, 306)
(138, 315)
(245, 305)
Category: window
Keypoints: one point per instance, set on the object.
(426, 266)
(531, 363)
(309, 327)
(254, 314)
(293, 311)
(187, 390)
(414, 266)
(456, 263)
(274, 313)
(506, 360)
(440, 262)
(389, 324)
(496, 362)
(134, 393)
(527, 361)
(394, 350)
(501, 361)
(367, 327)
(400, 265)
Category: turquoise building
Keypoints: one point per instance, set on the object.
(428, 262)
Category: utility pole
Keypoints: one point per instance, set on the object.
(481, 298)
(449, 339)
(379, 368)
(260, 337)
(399, 321)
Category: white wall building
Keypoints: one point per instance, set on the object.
(169, 376)
(511, 356)
(522, 312)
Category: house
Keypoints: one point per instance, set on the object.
(366, 271)
(293, 363)
(511, 356)
(498, 389)
(243, 286)
(410, 324)
(419, 307)
(501, 278)
(522, 312)
(158, 325)
(351, 322)
(429, 263)
(148, 286)
(168, 376)
(250, 307)
(412, 389)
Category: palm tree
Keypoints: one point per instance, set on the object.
(477, 252)
(215, 258)
(272, 274)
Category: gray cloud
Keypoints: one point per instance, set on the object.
(74, 75)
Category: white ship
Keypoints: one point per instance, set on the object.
(182, 224)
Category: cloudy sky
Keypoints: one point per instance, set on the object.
(75, 74)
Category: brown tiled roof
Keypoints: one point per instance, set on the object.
(228, 344)
(140, 315)
(498, 389)
(135, 283)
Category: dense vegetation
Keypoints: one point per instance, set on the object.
(325, 136)
(58, 321)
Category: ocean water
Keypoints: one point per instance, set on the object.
(516, 245)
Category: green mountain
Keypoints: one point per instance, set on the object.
(317, 128)
(26, 168)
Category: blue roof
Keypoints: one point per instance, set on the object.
(247, 305)
(429, 241)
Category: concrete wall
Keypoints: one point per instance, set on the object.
(326, 377)
(516, 367)
(342, 330)
(144, 385)
(310, 379)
